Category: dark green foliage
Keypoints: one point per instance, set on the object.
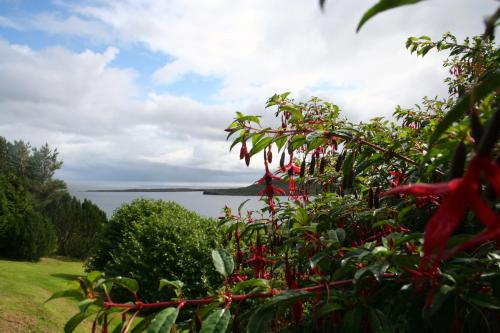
(152, 239)
(24, 233)
(76, 224)
(34, 207)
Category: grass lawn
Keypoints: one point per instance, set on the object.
(24, 286)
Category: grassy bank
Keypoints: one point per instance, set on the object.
(24, 286)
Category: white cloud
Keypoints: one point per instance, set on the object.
(92, 111)
(8, 23)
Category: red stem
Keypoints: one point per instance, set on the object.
(206, 300)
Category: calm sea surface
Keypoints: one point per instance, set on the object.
(208, 205)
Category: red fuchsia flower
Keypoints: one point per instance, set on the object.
(237, 278)
(258, 261)
(398, 178)
(269, 190)
(292, 169)
(462, 195)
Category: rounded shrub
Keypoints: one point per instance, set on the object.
(149, 240)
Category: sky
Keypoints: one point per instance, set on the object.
(137, 90)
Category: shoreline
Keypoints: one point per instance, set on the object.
(251, 190)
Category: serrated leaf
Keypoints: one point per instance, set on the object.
(382, 6)
(163, 321)
(216, 322)
(223, 262)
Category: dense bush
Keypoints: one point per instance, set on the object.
(76, 224)
(24, 233)
(33, 204)
(404, 237)
(154, 239)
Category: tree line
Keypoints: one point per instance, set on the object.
(38, 216)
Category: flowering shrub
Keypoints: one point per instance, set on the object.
(402, 237)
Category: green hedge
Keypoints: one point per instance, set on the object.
(24, 233)
(153, 239)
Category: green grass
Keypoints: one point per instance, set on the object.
(24, 287)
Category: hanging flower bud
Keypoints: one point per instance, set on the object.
(290, 148)
(476, 127)
(376, 198)
(303, 168)
(239, 256)
(340, 160)
(490, 136)
(282, 160)
(312, 165)
(247, 159)
(458, 161)
(370, 198)
(270, 156)
(243, 150)
(322, 165)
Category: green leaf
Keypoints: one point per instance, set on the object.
(240, 207)
(70, 293)
(352, 320)
(379, 323)
(163, 321)
(235, 142)
(94, 276)
(216, 322)
(84, 305)
(328, 308)
(488, 84)
(348, 163)
(256, 137)
(296, 113)
(280, 142)
(126, 283)
(381, 6)
(261, 145)
(483, 301)
(78, 318)
(337, 235)
(176, 284)
(223, 262)
(260, 284)
(142, 326)
(297, 141)
(260, 319)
